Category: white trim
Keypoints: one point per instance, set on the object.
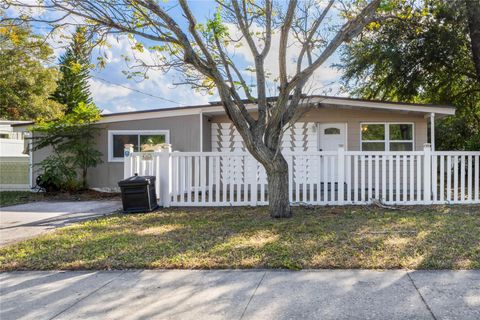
(387, 140)
(346, 132)
(193, 110)
(201, 130)
(432, 130)
(386, 105)
(154, 114)
(111, 158)
(29, 136)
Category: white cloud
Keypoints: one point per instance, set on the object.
(102, 92)
(26, 7)
(162, 85)
(125, 108)
(59, 38)
(146, 94)
(117, 99)
(326, 73)
(321, 79)
(119, 108)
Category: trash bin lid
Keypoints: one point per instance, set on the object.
(137, 181)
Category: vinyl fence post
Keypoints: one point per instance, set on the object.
(165, 176)
(127, 161)
(341, 174)
(253, 182)
(427, 172)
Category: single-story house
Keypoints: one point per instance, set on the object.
(359, 125)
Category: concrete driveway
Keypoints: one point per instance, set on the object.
(241, 294)
(24, 221)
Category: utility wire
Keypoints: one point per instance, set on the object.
(138, 91)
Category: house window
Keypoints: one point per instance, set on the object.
(401, 136)
(331, 131)
(142, 140)
(387, 136)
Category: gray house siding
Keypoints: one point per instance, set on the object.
(206, 134)
(198, 131)
(354, 119)
(183, 137)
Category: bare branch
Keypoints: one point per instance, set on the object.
(308, 41)
(268, 28)
(349, 30)
(282, 53)
(244, 28)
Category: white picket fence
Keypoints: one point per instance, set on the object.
(318, 178)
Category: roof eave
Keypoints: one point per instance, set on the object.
(444, 110)
(216, 107)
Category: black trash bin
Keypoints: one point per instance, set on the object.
(138, 194)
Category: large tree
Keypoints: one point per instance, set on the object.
(73, 87)
(202, 53)
(25, 82)
(473, 15)
(430, 54)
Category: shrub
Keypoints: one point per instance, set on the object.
(72, 139)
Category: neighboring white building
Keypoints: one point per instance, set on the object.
(14, 158)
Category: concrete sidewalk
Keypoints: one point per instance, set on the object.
(230, 294)
(24, 221)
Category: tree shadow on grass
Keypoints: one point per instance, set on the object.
(347, 237)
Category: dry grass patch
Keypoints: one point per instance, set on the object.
(438, 237)
(9, 198)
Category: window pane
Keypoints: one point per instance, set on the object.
(401, 146)
(373, 146)
(119, 142)
(401, 132)
(149, 142)
(331, 131)
(373, 132)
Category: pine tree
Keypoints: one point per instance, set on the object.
(73, 87)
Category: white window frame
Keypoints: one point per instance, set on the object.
(111, 133)
(387, 134)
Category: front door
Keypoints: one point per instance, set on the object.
(331, 135)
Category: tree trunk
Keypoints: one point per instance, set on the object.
(84, 178)
(277, 176)
(473, 13)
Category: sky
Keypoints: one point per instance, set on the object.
(112, 92)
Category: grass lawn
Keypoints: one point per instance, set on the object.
(9, 198)
(437, 237)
